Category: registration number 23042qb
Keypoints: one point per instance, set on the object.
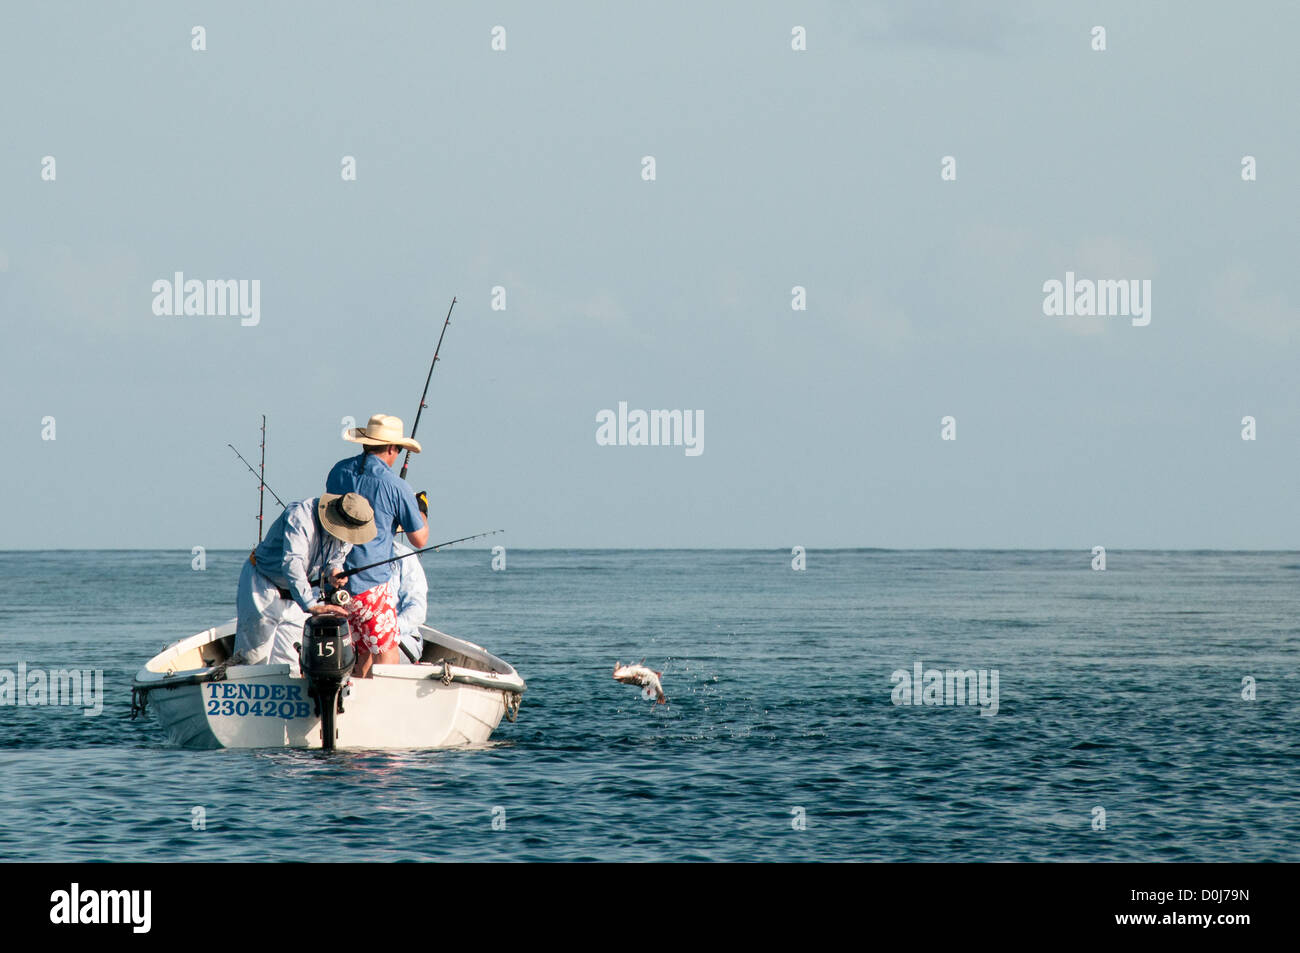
(264, 701)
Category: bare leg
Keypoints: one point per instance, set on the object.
(362, 668)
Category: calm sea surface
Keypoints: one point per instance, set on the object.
(1119, 690)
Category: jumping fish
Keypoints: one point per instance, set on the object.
(643, 676)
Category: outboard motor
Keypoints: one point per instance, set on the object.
(326, 658)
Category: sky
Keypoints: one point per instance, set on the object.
(774, 168)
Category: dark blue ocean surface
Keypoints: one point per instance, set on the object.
(1119, 689)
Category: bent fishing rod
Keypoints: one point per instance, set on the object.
(406, 462)
(427, 549)
(385, 562)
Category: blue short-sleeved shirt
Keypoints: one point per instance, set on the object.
(394, 505)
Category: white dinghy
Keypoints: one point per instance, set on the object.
(456, 695)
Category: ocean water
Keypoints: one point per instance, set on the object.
(1120, 690)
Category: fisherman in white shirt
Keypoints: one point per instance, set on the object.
(412, 592)
(412, 601)
(308, 540)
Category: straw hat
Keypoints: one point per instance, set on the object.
(347, 516)
(382, 429)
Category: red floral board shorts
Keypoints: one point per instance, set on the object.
(372, 618)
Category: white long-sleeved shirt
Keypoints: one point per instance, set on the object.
(297, 549)
(412, 591)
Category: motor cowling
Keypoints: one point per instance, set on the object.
(326, 653)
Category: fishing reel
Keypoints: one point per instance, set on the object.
(332, 596)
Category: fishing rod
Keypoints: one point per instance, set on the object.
(254, 472)
(415, 426)
(342, 597)
(427, 549)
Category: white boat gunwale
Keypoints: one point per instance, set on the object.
(501, 677)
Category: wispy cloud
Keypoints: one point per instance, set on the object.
(942, 24)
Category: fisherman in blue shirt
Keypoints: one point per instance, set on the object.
(373, 615)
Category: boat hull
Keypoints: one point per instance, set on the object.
(265, 706)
